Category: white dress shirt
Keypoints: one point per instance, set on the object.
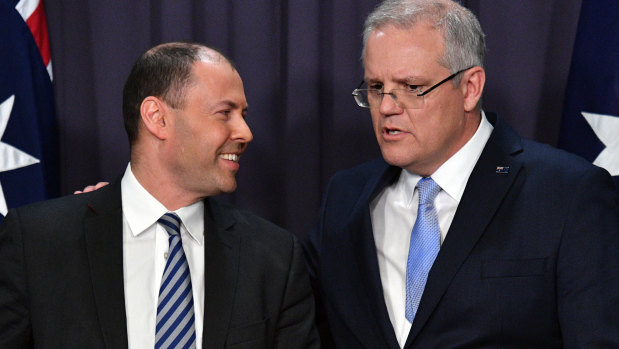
(394, 212)
(144, 244)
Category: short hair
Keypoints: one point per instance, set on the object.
(164, 71)
(464, 40)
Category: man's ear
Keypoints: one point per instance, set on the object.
(154, 113)
(473, 81)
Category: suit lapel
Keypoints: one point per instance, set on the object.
(221, 265)
(486, 188)
(366, 279)
(104, 244)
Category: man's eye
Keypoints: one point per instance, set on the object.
(413, 88)
(377, 87)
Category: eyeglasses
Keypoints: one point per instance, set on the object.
(404, 98)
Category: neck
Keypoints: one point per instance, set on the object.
(162, 187)
(472, 120)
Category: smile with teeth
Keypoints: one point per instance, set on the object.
(393, 132)
(231, 157)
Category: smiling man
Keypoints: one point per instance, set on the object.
(152, 261)
(463, 235)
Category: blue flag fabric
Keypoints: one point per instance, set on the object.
(590, 125)
(28, 135)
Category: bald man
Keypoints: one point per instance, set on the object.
(153, 260)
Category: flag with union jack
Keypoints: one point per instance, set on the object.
(28, 136)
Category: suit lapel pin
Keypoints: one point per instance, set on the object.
(502, 169)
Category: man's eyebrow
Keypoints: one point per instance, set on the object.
(230, 104)
(403, 80)
(226, 103)
(411, 80)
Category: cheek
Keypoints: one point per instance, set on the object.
(375, 115)
(428, 129)
(214, 139)
(420, 124)
(376, 124)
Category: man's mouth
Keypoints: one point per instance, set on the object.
(392, 131)
(230, 157)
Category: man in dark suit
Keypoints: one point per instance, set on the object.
(463, 234)
(152, 260)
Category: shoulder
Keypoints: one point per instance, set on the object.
(351, 189)
(558, 167)
(362, 172)
(542, 163)
(356, 179)
(251, 228)
(540, 153)
(60, 208)
(54, 213)
(561, 181)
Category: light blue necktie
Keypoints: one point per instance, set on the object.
(424, 246)
(175, 319)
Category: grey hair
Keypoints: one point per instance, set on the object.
(465, 44)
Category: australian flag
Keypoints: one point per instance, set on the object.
(28, 139)
(590, 125)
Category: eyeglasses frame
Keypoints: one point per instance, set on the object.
(356, 91)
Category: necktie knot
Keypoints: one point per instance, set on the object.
(171, 223)
(428, 190)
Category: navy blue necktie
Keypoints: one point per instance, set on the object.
(424, 246)
(175, 314)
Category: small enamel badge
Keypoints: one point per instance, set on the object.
(502, 169)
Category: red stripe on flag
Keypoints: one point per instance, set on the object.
(38, 26)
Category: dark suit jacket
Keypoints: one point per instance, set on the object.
(61, 278)
(531, 259)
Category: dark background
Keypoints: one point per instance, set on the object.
(299, 60)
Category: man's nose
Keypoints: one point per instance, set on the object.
(389, 104)
(241, 131)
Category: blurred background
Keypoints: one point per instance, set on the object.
(299, 60)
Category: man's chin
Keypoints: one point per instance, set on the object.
(394, 159)
(219, 188)
(228, 188)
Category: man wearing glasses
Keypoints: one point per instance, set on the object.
(463, 234)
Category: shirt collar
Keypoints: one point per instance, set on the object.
(406, 185)
(193, 220)
(141, 210)
(454, 173)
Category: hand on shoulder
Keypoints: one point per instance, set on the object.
(91, 188)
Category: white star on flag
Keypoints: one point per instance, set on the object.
(10, 157)
(606, 128)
